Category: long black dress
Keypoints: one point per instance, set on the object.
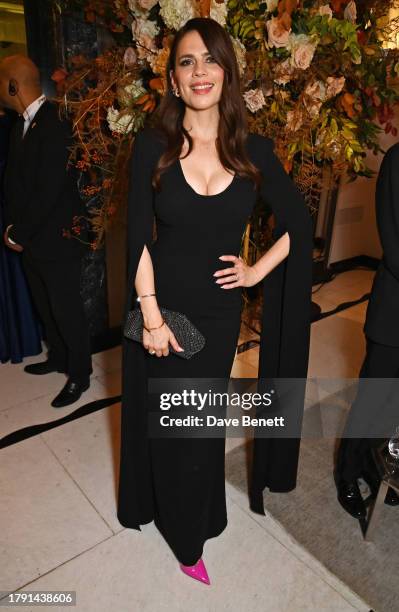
(179, 482)
(20, 331)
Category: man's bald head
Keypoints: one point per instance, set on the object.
(24, 77)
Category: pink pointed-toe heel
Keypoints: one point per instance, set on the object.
(197, 571)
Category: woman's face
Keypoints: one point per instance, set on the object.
(197, 76)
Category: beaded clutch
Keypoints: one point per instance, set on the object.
(187, 335)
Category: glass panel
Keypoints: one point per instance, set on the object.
(12, 28)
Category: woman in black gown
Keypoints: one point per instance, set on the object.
(20, 330)
(201, 201)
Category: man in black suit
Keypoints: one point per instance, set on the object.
(381, 329)
(41, 199)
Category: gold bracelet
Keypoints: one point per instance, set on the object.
(142, 296)
(151, 328)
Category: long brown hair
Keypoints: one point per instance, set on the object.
(232, 128)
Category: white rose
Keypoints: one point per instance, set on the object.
(316, 90)
(350, 12)
(326, 10)
(302, 50)
(254, 99)
(137, 10)
(147, 4)
(130, 57)
(135, 89)
(277, 35)
(315, 94)
(175, 13)
(144, 27)
(144, 31)
(284, 72)
(122, 124)
(334, 86)
(218, 12)
(271, 5)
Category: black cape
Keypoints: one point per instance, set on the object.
(284, 340)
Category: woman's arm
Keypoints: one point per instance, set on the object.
(157, 340)
(292, 218)
(145, 285)
(272, 258)
(248, 276)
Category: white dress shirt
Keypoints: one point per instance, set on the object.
(28, 114)
(31, 110)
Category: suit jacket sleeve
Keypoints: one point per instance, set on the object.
(387, 209)
(50, 182)
(7, 177)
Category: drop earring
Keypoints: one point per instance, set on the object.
(176, 92)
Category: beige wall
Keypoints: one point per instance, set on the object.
(355, 231)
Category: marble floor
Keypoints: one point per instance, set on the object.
(58, 499)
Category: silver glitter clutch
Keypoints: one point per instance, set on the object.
(187, 335)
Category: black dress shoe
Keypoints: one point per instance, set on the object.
(44, 367)
(392, 498)
(70, 393)
(373, 480)
(350, 498)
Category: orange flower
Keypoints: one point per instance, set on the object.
(91, 190)
(286, 6)
(347, 101)
(287, 166)
(96, 157)
(82, 165)
(204, 8)
(156, 84)
(59, 75)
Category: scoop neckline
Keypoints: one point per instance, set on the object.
(201, 195)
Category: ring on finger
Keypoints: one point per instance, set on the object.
(152, 352)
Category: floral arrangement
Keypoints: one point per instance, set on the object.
(316, 77)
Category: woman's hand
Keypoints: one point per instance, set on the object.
(158, 340)
(239, 275)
